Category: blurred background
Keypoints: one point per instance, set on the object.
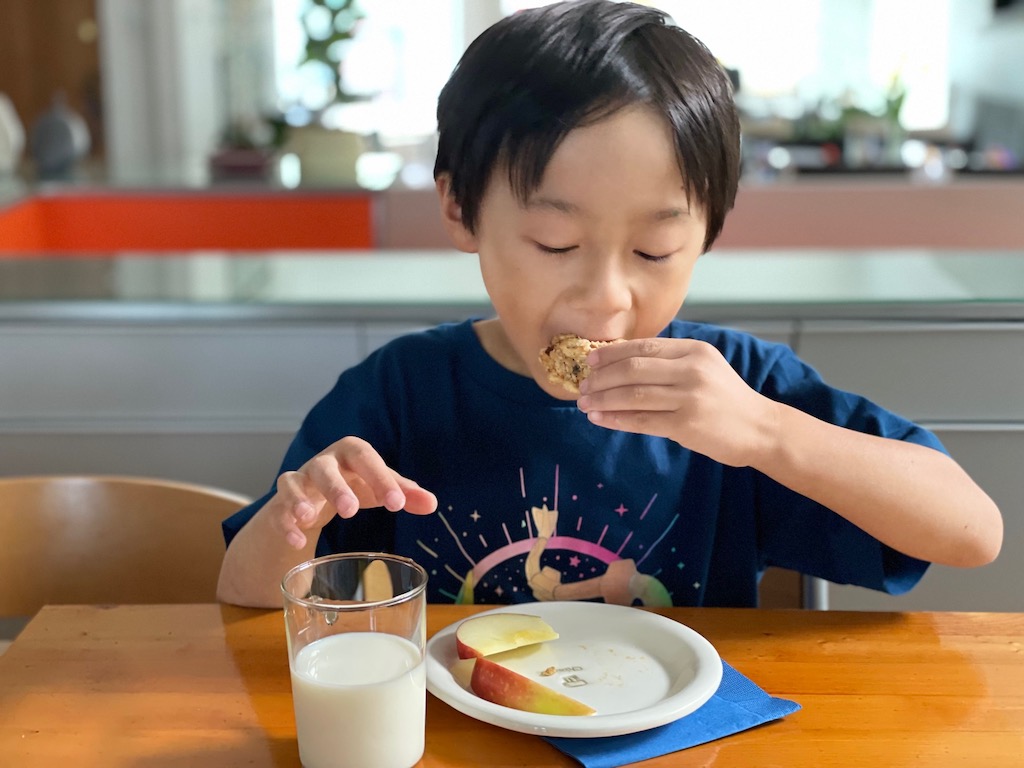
(208, 208)
(342, 92)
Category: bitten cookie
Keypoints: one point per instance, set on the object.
(565, 359)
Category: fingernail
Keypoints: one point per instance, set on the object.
(347, 505)
(304, 512)
(583, 403)
(394, 500)
(295, 539)
(584, 386)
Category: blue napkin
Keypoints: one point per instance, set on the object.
(737, 705)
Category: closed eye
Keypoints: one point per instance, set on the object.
(549, 249)
(650, 257)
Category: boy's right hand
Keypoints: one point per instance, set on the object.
(347, 476)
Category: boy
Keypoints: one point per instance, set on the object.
(589, 152)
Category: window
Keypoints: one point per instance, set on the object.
(790, 57)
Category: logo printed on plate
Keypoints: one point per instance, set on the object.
(573, 681)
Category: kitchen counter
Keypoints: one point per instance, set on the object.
(864, 212)
(438, 285)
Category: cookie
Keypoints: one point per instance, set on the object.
(565, 359)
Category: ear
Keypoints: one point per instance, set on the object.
(451, 217)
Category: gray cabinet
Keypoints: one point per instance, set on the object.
(209, 402)
(929, 372)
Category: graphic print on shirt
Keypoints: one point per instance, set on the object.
(586, 569)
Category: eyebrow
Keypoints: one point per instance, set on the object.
(552, 203)
(564, 206)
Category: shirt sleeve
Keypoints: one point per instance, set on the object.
(801, 535)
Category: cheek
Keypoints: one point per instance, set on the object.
(664, 294)
(502, 275)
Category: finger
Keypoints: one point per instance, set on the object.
(634, 371)
(640, 422)
(419, 501)
(301, 499)
(325, 474)
(366, 495)
(632, 397)
(359, 458)
(301, 505)
(654, 347)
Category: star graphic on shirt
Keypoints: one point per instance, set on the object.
(621, 509)
(499, 591)
(574, 561)
(475, 516)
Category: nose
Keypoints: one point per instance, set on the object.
(603, 286)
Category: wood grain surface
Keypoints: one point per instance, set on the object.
(208, 685)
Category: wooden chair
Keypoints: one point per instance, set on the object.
(101, 540)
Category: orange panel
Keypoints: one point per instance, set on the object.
(157, 222)
(20, 226)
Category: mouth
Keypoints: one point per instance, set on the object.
(588, 338)
(565, 359)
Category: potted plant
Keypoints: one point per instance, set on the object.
(328, 155)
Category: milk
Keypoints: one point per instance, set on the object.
(359, 699)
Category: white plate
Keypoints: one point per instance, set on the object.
(639, 670)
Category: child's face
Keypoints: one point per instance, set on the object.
(604, 248)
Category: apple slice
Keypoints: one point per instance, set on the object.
(462, 671)
(493, 682)
(497, 632)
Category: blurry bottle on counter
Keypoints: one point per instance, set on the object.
(12, 137)
(58, 140)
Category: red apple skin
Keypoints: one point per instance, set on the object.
(464, 651)
(501, 685)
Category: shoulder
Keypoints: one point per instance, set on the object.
(427, 341)
(427, 347)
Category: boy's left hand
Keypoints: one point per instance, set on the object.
(681, 389)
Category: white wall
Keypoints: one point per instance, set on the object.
(986, 60)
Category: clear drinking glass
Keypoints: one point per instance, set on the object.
(356, 626)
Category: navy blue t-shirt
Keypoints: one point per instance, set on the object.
(537, 503)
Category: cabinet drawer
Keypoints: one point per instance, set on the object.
(928, 372)
(194, 375)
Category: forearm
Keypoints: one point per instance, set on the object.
(913, 498)
(256, 561)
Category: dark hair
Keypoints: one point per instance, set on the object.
(528, 80)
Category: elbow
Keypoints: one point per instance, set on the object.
(987, 551)
(978, 554)
(231, 591)
(224, 592)
(227, 588)
(981, 546)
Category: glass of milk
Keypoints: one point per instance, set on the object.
(356, 626)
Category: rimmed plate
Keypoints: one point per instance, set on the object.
(638, 669)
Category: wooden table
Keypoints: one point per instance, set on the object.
(208, 685)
